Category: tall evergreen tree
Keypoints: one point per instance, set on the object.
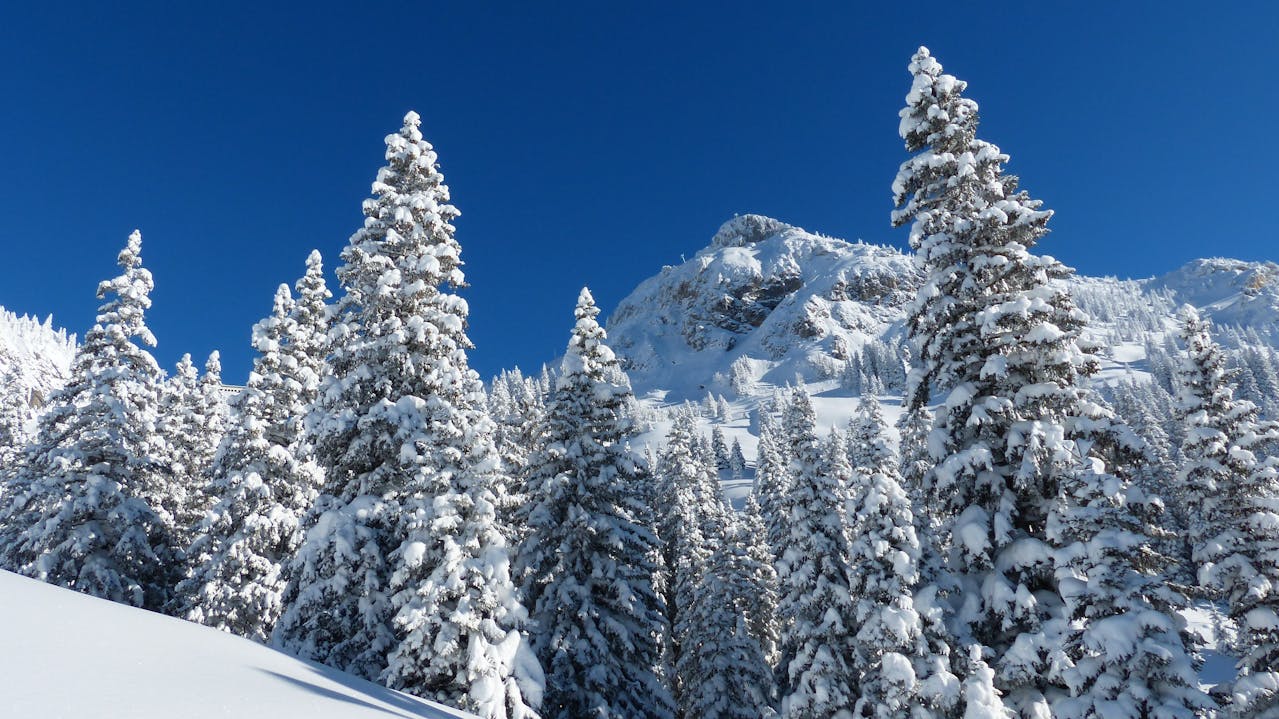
(78, 515)
(311, 319)
(760, 608)
(213, 405)
(516, 406)
(404, 575)
(1236, 533)
(591, 553)
(724, 670)
(185, 463)
(305, 354)
(192, 420)
(903, 671)
(736, 460)
(263, 490)
(815, 604)
(1127, 642)
(719, 447)
(997, 336)
(913, 427)
(689, 516)
(772, 481)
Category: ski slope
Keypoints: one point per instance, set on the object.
(67, 655)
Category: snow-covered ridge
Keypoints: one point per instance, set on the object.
(1229, 292)
(766, 303)
(777, 299)
(70, 655)
(35, 357)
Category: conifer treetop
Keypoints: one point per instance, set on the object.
(213, 366)
(131, 290)
(935, 107)
(586, 348)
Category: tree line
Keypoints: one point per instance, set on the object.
(1022, 550)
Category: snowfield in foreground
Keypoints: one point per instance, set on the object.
(63, 654)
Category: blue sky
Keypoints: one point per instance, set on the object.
(591, 143)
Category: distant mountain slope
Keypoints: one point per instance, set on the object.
(1229, 292)
(766, 303)
(69, 655)
(35, 357)
(777, 300)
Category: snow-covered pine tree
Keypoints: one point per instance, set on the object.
(263, 490)
(307, 346)
(517, 407)
(591, 553)
(304, 362)
(719, 447)
(191, 428)
(903, 672)
(997, 336)
(819, 681)
(772, 481)
(868, 446)
(213, 405)
(723, 412)
(760, 608)
(404, 575)
(723, 667)
(1217, 427)
(15, 413)
(690, 516)
(913, 427)
(1157, 478)
(77, 516)
(703, 450)
(1236, 529)
(1126, 641)
(736, 460)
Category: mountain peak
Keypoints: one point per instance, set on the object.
(764, 295)
(742, 230)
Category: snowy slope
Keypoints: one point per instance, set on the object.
(766, 302)
(35, 357)
(1228, 292)
(63, 654)
(776, 299)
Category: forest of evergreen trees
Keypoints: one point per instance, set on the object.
(1026, 549)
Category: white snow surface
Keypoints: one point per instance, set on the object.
(69, 655)
(767, 304)
(784, 300)
(787, 302)
(35, 357)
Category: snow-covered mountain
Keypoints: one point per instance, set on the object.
(35, 356)
(35, 359)
(1229, 292)
(766, 303)
(69, 655)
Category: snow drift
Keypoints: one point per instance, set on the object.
(70, 655)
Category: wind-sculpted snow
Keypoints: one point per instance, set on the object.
(108, 660)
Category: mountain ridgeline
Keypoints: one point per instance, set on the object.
(980, 534)
(766, 304)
